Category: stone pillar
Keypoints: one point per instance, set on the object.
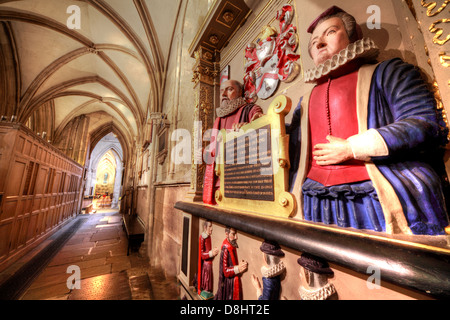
(154, 120)
(117, 184)
(206, 91)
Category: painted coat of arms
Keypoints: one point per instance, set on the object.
(272, 59)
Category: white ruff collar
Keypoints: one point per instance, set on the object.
(322, 293)
(364, 48)
(205, 235)
(231, 107)
(276, 270)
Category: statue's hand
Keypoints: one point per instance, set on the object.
(256, 116)
(255, 282)
(238, 126)
(243, 265)
(335, 152)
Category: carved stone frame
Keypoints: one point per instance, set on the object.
(163, 141)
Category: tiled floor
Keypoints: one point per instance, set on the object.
(99, 250)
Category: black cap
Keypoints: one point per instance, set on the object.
(314, 264)
(272, 248)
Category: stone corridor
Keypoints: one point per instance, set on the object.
(99, 249)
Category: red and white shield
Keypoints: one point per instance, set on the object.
(272, 59)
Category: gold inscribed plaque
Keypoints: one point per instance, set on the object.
(253, 165)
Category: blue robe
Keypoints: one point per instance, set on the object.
(402, 109)
(271, 288)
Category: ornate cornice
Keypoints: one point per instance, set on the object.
(220, 24)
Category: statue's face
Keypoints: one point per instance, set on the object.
(328, 39)
(229, 91)
(209, 228)
(232, 236)
(305, 277)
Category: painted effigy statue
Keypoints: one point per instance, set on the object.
(230, 268)
(367, 150)
(314, 275)
(205, 260)
(234, 112)
(271, 271)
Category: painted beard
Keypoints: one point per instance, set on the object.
(229, 106)
(233, 243)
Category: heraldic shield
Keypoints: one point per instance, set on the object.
(272, 59)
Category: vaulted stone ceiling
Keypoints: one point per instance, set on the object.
(112, 68)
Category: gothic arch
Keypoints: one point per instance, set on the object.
(55, 90)
(95, 99)
(125, 142)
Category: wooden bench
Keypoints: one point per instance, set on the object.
(134, 230)
(89, 208)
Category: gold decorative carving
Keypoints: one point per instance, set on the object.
(431, 5)
(228, 16)
(432, 10)
(200, 174)
(208, 55)
(206, 106)
(205, 74)
(267, 31)
(439, 104)
(437, 96)
(439, 32)
(444, 59)
(214, 40)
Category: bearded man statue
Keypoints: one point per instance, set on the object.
(234, 112)
(230, 268)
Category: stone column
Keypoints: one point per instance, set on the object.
(117, 183)
(154, 119)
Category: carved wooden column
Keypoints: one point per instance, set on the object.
(206, 90)
(432, 20)
(222, 22)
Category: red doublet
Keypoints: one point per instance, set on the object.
(204, 258)
(228, 270)
(205, 248)
(339, 121)
(210, 183)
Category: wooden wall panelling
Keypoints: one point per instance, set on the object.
(5, 231)
(17, 175)
(39, 191)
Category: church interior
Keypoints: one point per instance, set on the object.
(106, 111)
